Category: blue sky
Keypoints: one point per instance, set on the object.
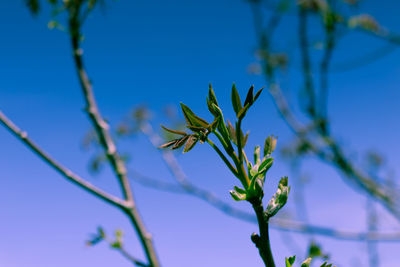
(163, 52)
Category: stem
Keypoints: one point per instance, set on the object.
(263, 245)
(222, 156)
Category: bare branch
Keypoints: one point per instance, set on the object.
(68, 174)
(102, 130)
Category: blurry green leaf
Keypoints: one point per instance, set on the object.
(364, 21)
(236, 103)
(306, 263)
(191, 118)
(289, 261)
(325, 264)
(33, 6)
(314, 250)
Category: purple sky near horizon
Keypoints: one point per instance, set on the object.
(160, 53)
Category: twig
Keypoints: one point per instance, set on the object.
(102, 130)
(68, 174)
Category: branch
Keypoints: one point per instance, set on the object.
(102, 130)
(68, 174)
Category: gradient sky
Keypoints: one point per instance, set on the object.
(163, 52)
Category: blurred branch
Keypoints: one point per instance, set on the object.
(184, 186)
(313, 136)
(68, 174)
(276, 223)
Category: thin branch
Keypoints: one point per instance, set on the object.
(306, 63)
(102, 130)
(121, 249)
(68, 174)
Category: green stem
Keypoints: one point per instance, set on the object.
(222, 156)
(263, 245)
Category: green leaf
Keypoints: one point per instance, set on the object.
(289, 261)
(221, 125)
(257, 155)
(243, 112)
(236, 103)
(238, 194)
(192, 119)
(257, 94)
(249, 97)
(232, 132)
(211, 96)
(279, 199)
(265, 165)
(173, 131)
(244, 142)
(33, 6)
(306, 263)
(270, 145)
(191, 142)
(197, 129)
(211, 99)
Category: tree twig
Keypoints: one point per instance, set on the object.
(102, 130)
(68, 174)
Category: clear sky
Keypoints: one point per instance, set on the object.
(159, 53)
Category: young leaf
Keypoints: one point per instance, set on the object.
(236, 103)
(191, 142)
(279, 199)
(221, 124)
(265, 165)
(180, 142)
(192, 119)
(211, 96)
(257, 94)
(243, 111)
(173, 131)
(244, 139)
(170, 143)
(289, 261)
(249, 97)
(270, 145)
(257, 155)
(232, 132)
(238, 194)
